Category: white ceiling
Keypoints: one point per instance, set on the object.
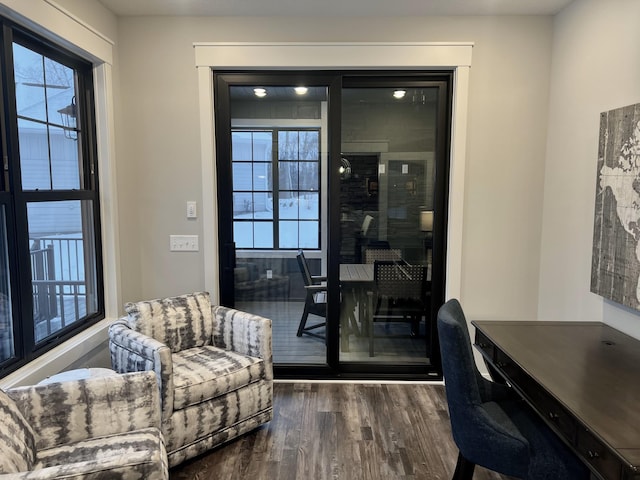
(334, 8)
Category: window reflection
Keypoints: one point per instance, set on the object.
(297, 170)
(47, 122)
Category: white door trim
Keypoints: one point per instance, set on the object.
(322, 56)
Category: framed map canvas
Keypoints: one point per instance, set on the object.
(615, 269)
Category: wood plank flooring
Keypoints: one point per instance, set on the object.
(342, 431)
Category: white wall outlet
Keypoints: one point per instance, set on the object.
(192, 210)
(183, 243)
(269, 274)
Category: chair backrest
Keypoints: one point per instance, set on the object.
(462, 378)
(471, 425)
(400, 281)
(384, 254)
(180, 322)
(304, 268)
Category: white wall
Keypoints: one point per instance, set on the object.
(528, 222)
(537, 87)
(93, 13)
(158, 145)
(595, 68)
(159, 142)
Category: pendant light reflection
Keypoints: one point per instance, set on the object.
(345, 169)
(69, 118)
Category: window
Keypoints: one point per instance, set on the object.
(51, 280)
(281, 168)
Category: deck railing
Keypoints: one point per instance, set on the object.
(58, 281)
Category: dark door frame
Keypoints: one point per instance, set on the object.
(335, 81)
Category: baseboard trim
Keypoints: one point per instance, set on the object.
(363, 382)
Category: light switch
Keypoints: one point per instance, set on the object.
(192, 211)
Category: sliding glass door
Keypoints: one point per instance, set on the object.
(388, 186)
(331, 193)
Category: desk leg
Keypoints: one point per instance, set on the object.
(353, 301)
(370, 322)
(347, 308)
(363, 311)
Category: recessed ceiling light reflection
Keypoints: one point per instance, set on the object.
(399, 93)
(301, 90)
(260, 92)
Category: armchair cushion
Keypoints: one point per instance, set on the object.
(17, 444)
(203, 373)
(179, 322)
(132, 455)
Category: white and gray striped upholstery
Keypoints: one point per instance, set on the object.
(17, 444)
(178, 322)
(97, 428)
(214, 365)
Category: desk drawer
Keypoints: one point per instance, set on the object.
(552, 411)
(485, 345)
(507, 366)
(597, 454)
(547, 406)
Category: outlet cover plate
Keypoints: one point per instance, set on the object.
(183, 243)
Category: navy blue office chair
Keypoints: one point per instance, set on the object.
(491, 426)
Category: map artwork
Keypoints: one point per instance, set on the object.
(615, 269)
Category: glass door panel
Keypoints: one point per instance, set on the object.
(387, 180)
(278, 188)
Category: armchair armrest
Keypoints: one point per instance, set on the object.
(317, 293)
(316, 288)
(133, 351)
(76, 410)
(318, 278)
(244, 333)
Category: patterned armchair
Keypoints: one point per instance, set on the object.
(83, 429)
(213, 363)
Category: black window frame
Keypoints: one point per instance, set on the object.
(15, 200)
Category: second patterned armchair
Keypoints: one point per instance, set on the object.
(92, 429)
(213, 363)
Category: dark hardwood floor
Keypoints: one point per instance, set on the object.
(342, 431)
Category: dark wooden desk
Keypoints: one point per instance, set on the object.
(583, 378)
